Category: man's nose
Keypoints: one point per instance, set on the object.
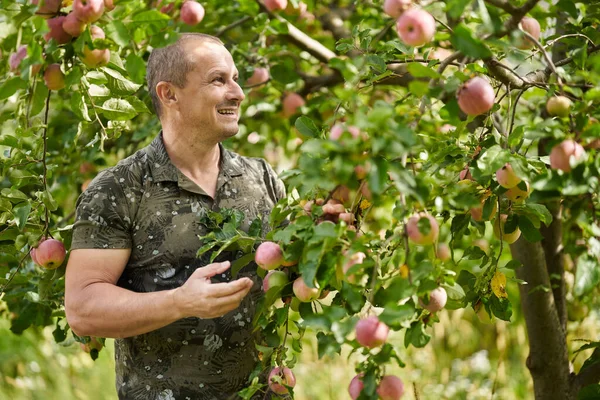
(236, 92)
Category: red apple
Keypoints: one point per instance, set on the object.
(304, 293)
(443, 252)
(275, 279)
(97, 57)
(356, 386)
(370, 332)
(47, 8)
(54, 77)
(57, 31)
(466, 174)
(517, 194)
(437, 300)
(477, 212)
(356, 258)
(275, 5)
(418, 237)
(50, 254)
(291, 104)
(531, 26)
(109, 5)
(338, 129)
(507, 237)
(192, 12)
(285, 377)
(560, 156)
(347, 217)
(390, 388)
(88, 10)
(14, 61)
(394, 8)
(73, 26)
(415, 27)
(476, 96)
(506, 177)
(558, 106)
(268, 255)
(259, 76)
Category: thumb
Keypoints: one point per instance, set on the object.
(211, 270)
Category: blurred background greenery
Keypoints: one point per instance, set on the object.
(466, 359)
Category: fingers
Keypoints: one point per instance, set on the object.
(211, 270)
(228, 288)
(230, 302)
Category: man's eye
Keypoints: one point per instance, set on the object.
(219, 79)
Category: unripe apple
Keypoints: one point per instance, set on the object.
(98, 57)
(47, 8)
(390, 388)
(14, 61)
(268, 255)
(259, 76)
(73, 26)
(418, 237)
(50, 254)
(88, 10)
(560, 156)
(517, 194)
(338, 129)
(415, 27)
(558, 106)
(356, 258)
(437, 300)
(287, 378)
(507, 237)
(304, 293)
(531, 26)
(506, 177)
(192, 12)
(477, 212)
(356, 386)
(370, 332)
(275, 5)
(57, 31)
(291, 103)
(476, 96)
(275, 279)
(443, 252)
(394, 8)
(54, 77)
(93, 344)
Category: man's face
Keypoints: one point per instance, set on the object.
(211, 98)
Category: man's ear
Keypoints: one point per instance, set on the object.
(166, 94)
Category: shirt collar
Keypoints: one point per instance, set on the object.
(163, 169)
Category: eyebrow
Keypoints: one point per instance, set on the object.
(221, 72)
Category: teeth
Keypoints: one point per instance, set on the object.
(227, 112)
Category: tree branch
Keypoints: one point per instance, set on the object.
(503, 5)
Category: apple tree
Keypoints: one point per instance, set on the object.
(403, 130)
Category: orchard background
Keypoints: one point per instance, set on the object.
(367, 131)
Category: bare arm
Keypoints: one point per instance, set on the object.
(95, 306)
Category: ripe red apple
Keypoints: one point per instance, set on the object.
(304, 293)
(466, 174)
(394, 8)
(73, 26)
(54, 77)
(47, 8)
(192, 12)
(415, 27)
(390, 388)
(275, 279)
(443, 252)
(93, 344)
(347, 217)
(57, 31)
(14, 61)
(98, 57)
(418, 237)
(437, 300)
(259, 76)
(477, 212)
(338, 129)
(507, 237)
(291, 103)
(356, 258)
(517, 194)
(370, 332)
(88, 11)
(109, 5)
(558, 106)
(33, 251)
(50, 254)
(356, 386)
(268, 255)
(476, 96)
(531, 26)
(506, 177)
(286, 377)
(560, 156)
(275, 5)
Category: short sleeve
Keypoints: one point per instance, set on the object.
(102, 218)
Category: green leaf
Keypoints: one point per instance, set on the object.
(117, 31)
(419, 70)
(455, 8)
(492, 159)
(463, 40)
(513, 264)
(11, 86)
(501, 308)
(455, 291)
(416, 335)
(79, 107)
(306, 127)
(327, 345)
(539, 211)
(240, 263)
(377, 63)
(418, 88)
(14, 194)
(136, 67)
(394, 314)
(21, 214)
(118, 84)
(587, 275)
(590, 392)
(118, 110)
(531, 233)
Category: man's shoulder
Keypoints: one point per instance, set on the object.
(128, 171)
(248, 164)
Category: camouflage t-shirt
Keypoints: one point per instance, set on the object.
(146, 204)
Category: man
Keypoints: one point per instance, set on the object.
(182, 327)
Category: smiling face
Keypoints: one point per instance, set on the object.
(209, 103)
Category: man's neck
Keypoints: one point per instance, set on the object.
(195, 158)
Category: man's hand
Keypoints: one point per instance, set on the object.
(199, 297)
